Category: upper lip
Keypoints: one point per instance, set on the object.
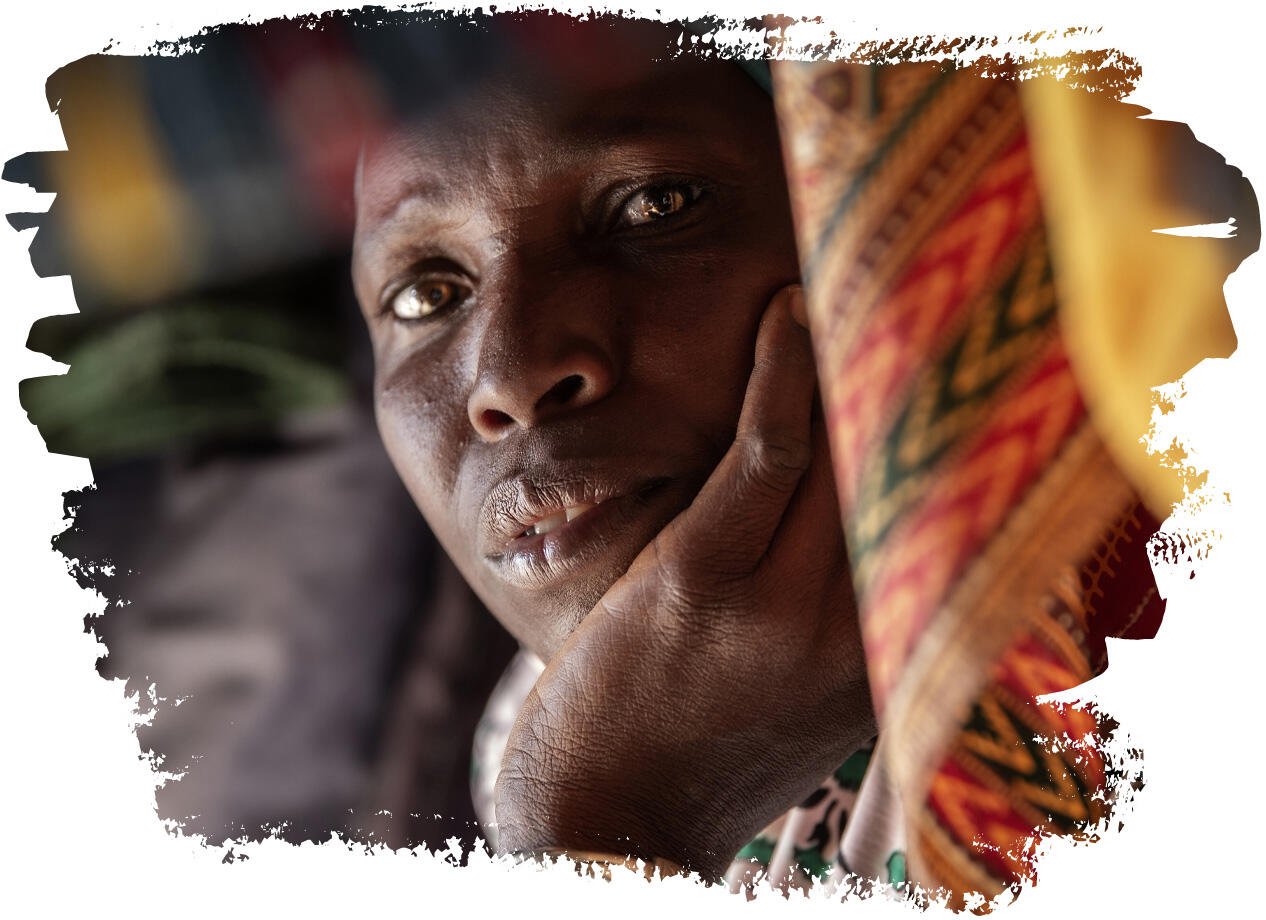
(517, 503)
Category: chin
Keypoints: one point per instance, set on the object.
(553, 618)
(543, 616)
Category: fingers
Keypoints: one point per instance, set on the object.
(810, 536)
(737, 512)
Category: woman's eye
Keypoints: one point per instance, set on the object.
(659, 202)
(422, 298)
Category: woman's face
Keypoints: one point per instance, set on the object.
(563, 284)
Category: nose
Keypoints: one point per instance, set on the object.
(539, 359)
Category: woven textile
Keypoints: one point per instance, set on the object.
(994, 541)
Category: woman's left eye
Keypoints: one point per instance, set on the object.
(658, 202)
(422, 298)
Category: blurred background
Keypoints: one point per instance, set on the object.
(260, 560)
(261, 563)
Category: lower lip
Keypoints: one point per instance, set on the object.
(545, 560)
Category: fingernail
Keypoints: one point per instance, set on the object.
(795, 303)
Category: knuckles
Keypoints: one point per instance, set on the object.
(774, 462)
(690, 587)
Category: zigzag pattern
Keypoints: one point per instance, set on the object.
(841, 112)
(1019, 768)
(981, 821)
(1008, 750)
(951, 397)
(950, 404)
(952, 268)
(1045, 789)
(907, 576)
(875, 154)
(921, 184)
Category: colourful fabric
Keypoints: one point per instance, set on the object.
(995, 542)
(845, 833)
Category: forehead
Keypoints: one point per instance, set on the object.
(536, 118)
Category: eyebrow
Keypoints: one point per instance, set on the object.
(617, 115)
(600, 126)
(383, 217)
(632, 110)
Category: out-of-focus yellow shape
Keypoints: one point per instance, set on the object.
(1138, 308)
(129, 228)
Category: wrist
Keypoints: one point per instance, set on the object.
(597, 830)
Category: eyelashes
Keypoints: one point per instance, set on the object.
(437, 286)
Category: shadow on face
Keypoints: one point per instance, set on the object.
(562, 271)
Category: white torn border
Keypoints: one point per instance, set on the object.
(1220, 231)
(80, 830)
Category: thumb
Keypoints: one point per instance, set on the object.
(736, 513)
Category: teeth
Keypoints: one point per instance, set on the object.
(558, 519)
(553, 522)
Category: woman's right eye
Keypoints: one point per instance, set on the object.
(425, 297)
(661, 201)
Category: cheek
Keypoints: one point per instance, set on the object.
(696, 345)
(421, 418)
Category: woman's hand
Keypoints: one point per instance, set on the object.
(722, 678)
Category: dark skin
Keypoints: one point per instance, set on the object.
(582, 304)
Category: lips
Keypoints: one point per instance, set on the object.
(538, 534)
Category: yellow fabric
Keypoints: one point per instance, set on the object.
(1137, 308)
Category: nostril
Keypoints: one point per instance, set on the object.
(495, 420)
(495, 408)
(563, 392)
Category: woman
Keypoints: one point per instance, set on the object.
(594, 377)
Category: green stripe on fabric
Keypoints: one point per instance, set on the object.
(760, 850)
(991, 340)
(897, 868)
(845, 203)
(850, 773)
(813, 864)
(759, 71)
